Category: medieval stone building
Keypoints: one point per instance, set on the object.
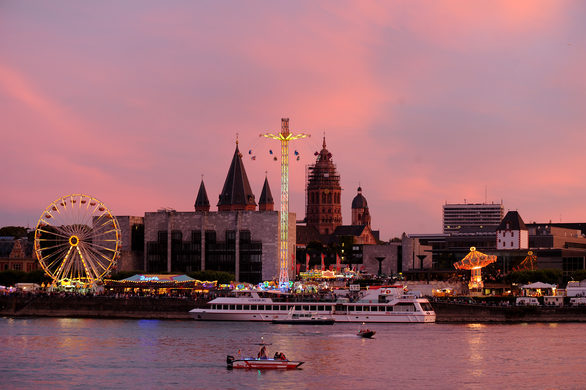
(237, 238)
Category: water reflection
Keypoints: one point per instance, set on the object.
(57, 353)
(475, 338)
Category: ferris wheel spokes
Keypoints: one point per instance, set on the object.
(77, 239)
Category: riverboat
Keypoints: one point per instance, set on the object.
(383, 304)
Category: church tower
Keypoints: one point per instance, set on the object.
(360, 214)
(323, 193)
(236, 194)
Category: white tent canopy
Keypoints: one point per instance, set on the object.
(539, 285)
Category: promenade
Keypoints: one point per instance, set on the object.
(177, 308)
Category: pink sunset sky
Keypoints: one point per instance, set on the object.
(422, 102)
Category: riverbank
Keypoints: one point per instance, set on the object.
(171, 308)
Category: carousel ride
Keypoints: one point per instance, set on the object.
(475, 261)
(528, 263)
(77, 241)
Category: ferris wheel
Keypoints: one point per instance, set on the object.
(77, 240)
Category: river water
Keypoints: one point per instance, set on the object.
(153, 354)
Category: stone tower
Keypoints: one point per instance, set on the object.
(323, 194)
(360, 214)
(236, 194)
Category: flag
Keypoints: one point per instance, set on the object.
(306, 262)
(338, 263)
(323, 263)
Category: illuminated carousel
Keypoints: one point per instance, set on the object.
(77, 241)
(475, 261)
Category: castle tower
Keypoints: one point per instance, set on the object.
(202, 202)
(360, 214)
(512, 233)
(236, 194)
(265, 202)
(323, 194)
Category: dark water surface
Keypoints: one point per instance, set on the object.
(151, 354)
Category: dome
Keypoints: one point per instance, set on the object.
(359, 201)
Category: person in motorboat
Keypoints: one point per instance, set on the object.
(262, 354)
(280, 356)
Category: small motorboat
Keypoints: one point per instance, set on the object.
(262, 360)
(262, 364)
(305, 318)
(366, 333)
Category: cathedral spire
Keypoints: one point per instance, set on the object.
(202, 202)
(265, 202)
(236, 193)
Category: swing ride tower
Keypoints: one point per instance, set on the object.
(284, 136)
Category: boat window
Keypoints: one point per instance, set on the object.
(374, 308)
(232, 307)
(261, 307)
(405, 307)
(213, 307)
(284, 307)
(253, 307)
(389, 308)
(238, 307)
(305, 307)
(358, 308)
(321, 308)
(313, 308)
(366, 308)
(426, 306)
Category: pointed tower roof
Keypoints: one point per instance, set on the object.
(236, 194)
(265, 202)
(512, 221)
(202, 202)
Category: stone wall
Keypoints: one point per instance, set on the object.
(263, 227)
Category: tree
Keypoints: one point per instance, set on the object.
(13, 231)
(552, 276)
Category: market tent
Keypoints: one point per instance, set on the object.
(158, 278)
(538, 285)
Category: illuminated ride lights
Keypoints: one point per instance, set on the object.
(77, 241)
(475, 261)
(528, 263)
(284, 136)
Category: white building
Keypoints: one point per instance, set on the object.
(512, 233)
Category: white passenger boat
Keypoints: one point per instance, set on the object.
(376, 304)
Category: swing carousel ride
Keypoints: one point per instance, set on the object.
(475, 261)
(77, 241)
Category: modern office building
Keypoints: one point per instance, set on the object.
(472, 217)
